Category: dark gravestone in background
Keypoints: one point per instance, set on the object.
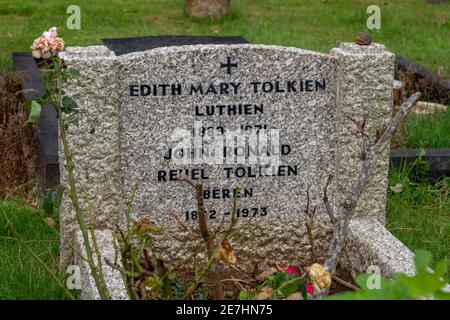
(126, 45)
(438, 159)
(47, 129)
(435, 87)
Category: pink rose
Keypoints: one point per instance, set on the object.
(47, 45)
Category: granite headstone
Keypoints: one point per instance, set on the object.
(265, 123)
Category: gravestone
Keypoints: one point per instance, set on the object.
(122, 46)
(33, 88)
(267, 124)
(47, 128)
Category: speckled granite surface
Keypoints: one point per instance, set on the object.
(370, 243)
(366, 74)
(123, 136)
(94, 143)
(113, 278)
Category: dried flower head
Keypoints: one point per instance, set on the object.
(47, 45)
(225, 253)
(320, 277)
(145, 225)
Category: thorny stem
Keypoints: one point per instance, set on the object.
(99, 281)
(94, 238)
(348, 206)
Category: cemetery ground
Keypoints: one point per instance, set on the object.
(418, 216)
(417, 210)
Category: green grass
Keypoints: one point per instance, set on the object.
(419, 215)
(21, 277)
(426, 131)
(410, 28)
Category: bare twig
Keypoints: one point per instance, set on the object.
(349, 204)
(345, 283)
(242, 272)
(326, 201)
(183, 226)
(212, 271)
(219, 227)
(310, 212)
(311, 238)
(237, 280)
(360, 126)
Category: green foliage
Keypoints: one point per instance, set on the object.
(245, 295)
(54, 70)
(277, 286)
(310, 24)
(417, 213)
(73, 72)
(179, 289)
(35, 113)
(69, 105)
(426, 131)
(420, 168)
(284, 284)
(52, 201)
(424, 284)
(21, 276)
(417, 171)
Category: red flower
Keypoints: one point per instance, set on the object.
(310, 289)
(290, 270)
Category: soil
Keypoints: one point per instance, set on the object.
(234, 281)
(17, 142)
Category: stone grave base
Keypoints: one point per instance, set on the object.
(369, 243)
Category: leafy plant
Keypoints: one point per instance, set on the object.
(420, 168)
(52, 201)
(35, 112)
(284, 284)
(425, 284)
(55, 74)
(417, 171)
(145, 276)
(279, 285)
